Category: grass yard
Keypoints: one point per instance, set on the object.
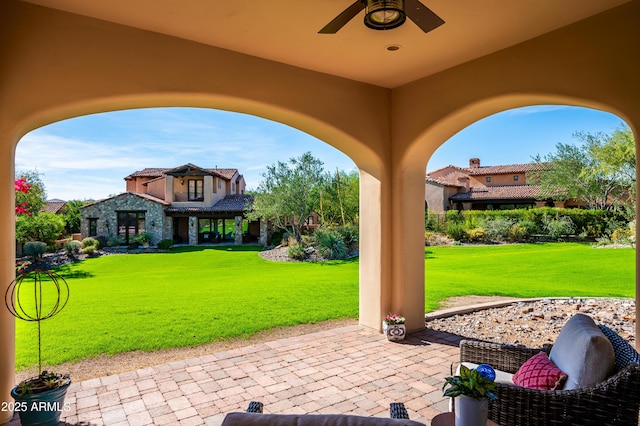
(528, 270)
(194, 295)
(185, 297)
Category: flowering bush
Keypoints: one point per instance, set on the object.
(393, 319)
(21, 186)
(22, 266)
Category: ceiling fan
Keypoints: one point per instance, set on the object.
(385, 15)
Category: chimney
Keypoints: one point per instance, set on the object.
(474, 162)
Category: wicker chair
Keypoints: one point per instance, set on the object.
(614, 401)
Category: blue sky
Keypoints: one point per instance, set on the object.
(88, 157)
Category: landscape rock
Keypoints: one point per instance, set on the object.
(536, 323)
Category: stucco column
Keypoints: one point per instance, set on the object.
(7, 271)
(407, 236)
(375, 255)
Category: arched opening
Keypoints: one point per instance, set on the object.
(491, 165)
(98, 151)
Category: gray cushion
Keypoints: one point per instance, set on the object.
(256, 419)
(583, 352)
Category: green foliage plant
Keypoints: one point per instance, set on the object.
(44, 226)
(165, 244)
(296, 251)
(115, 241)
(469, 383)
(72, 247)
(557, 227)
(498, 228)
(477, 235)
(35, 249)
(329, 244)
(456, 230)
(143, 238)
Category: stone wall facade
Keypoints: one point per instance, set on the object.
(106, 213)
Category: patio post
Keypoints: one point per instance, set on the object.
(7, 270)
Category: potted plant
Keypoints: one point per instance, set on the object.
(393, 327)
(143, 238)
(39, 400)
(471, 391)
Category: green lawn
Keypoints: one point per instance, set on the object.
(192, 295)
(528, 270)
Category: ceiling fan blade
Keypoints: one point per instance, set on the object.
(340, 20)
(423, 17)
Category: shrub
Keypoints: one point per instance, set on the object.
(115, 241)
(35, 249)
(165, 244)
(89, 242)
(350, 236)
(102, 241)
(133, 245)
(72, 247)
(143, 238)
(476, 235)
(517, 233)
(456, 231)
(498, 228)
(296, 251)
(330, 244)
(89, 250)
(558, 226)
(622, 236)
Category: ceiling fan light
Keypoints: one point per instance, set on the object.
(384, 14)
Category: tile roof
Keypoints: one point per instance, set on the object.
(230, 203)
(443, 181)
(156, 172)
(504, 192)
(507, 169)
(137, 194)
(53, 206)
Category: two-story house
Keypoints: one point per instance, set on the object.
(188, 204)
(486, 187)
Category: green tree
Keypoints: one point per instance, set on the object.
(289, 193)
(35, 198)
(71, 215)
(44, 226)
(341, 198)
(599, 171)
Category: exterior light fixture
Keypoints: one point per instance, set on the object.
(384, 14)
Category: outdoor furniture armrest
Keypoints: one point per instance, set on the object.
(613, 401)
(254, 407)
(254, 416)
(507, 358)
(397, 411)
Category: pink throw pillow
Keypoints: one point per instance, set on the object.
(538, 372)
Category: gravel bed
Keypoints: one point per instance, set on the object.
(533, 324)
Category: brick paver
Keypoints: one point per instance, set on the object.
(348, 370)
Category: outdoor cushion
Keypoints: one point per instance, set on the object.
(583, 352)
(623, 352)
(258, 419)
(538, 372)
(501, 376)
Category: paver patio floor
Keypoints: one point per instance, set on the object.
(349, 370)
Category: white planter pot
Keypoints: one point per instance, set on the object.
(471, 411)
(394, 331)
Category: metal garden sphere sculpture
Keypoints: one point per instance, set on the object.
(36, 296)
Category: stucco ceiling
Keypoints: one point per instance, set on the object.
(287, 31)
